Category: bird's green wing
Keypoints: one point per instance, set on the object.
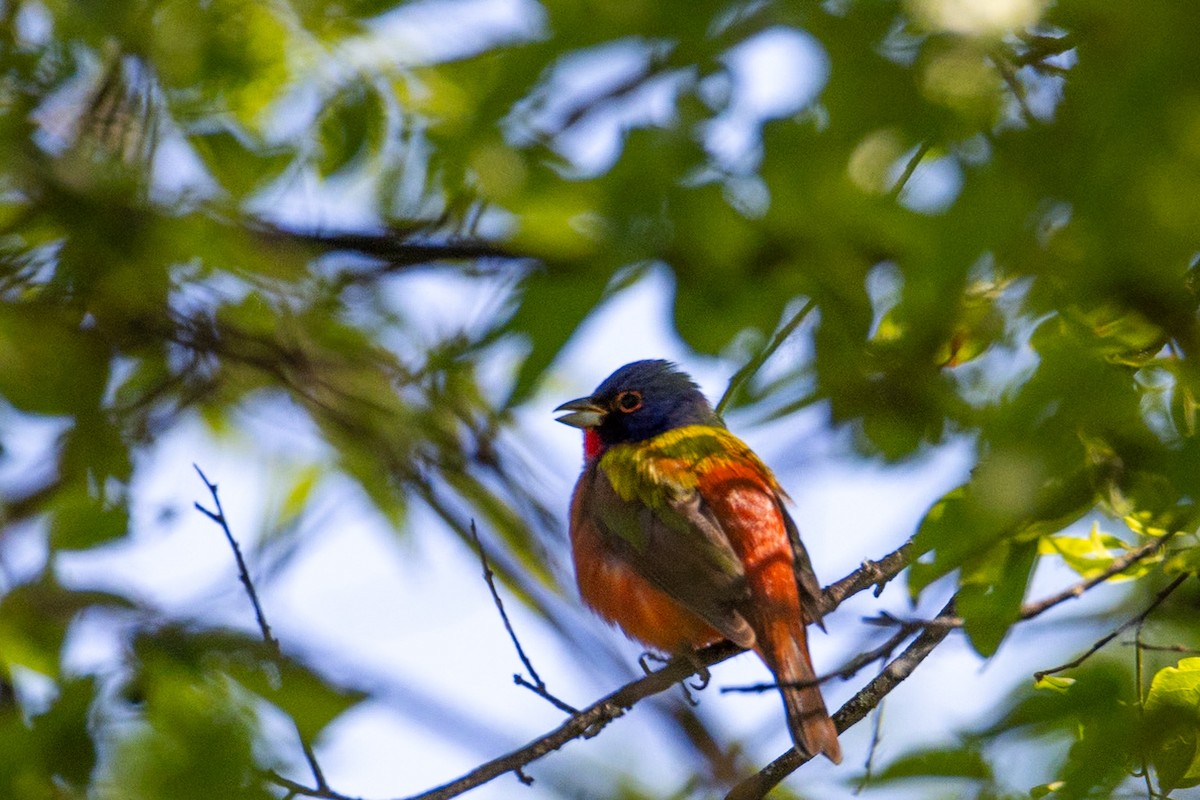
(654, 516)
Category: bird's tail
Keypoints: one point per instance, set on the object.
(809, 723)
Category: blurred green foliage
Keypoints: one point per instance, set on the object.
(1043, 307)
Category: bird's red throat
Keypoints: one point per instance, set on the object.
(592, 446)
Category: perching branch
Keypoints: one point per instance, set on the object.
(218, 516)
(587, 722)
(869, 573)
(591, 720)
(852, 712)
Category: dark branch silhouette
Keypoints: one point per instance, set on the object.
(218, 516)
(538, 686)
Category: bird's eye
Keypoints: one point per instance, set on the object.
(629, 402)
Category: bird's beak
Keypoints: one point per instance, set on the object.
(584, 413)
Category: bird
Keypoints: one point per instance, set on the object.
(680, 536)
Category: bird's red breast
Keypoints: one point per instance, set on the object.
(735, 486)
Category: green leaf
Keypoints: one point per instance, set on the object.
(1185, 560)
(1097, 714)
(79, 521)
(992, 588)
(1173, 723)
(311, 700)
(303, 484)
(553, 304)
(1045, 789)
(958, 762)
(940, 528)
(62, 735)
(237, 164)
(95, 451)
(350, 128)
(48, 363)
(34, 618)
(1093, 555)
(197, 741)
(1055, 683)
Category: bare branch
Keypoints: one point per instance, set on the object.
(1124, 626)
(846, 671)
(591, 720)
(538, 686)
(218, 516)
(1031, 610)
(869, 573)
(1165, 648)
(295, 789)
(395, 247)
(851, 713)
(872, 749)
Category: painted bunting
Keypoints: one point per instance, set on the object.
(680, 536)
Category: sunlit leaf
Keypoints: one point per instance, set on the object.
(1055, 683)
(1093, 555)
(1173, 713)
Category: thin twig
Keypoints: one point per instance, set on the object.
(653, 68)
(243, 572)
(909, 168)
(1139, 679)
(852, 712)
(1124, 626)
(1005, 68)
(1031, 610)
(1165, 648)
(220, 519)
(872, 749)
(295, 789)
(538, 686)
(544, 693)
(846, 671)
(755, 364)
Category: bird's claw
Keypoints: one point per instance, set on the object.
(645, 658)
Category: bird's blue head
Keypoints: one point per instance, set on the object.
(638, 401)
